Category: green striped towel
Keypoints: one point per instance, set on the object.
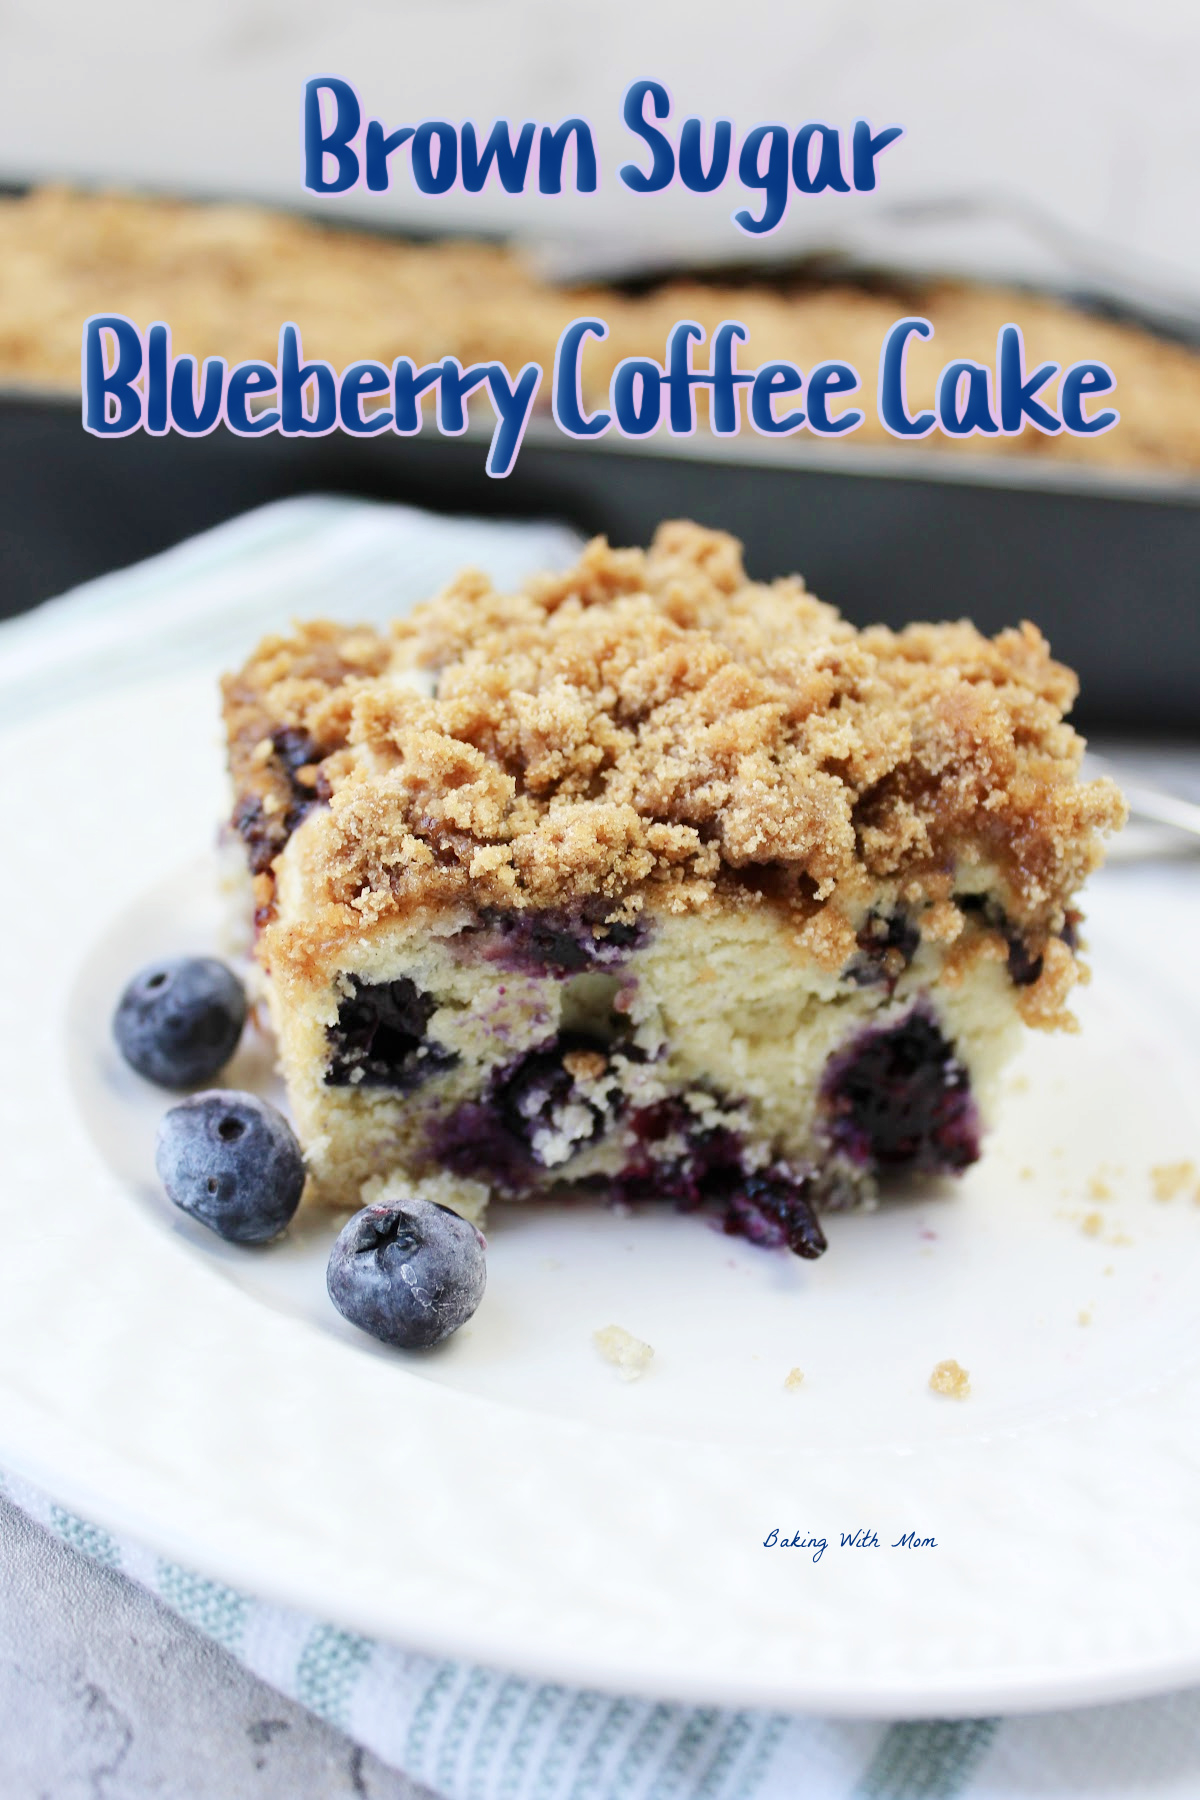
(478, 1734)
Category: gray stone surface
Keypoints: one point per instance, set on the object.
(106, 1695)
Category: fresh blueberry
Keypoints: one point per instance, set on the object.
(178, 1021)
(410, 1272)
(233, 1162)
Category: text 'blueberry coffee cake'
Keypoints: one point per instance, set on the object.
(657, 880)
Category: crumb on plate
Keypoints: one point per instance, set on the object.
(629, 1356)
(793, 1380)
(1170, 1179)
(1093, 1224)
(950, 1378)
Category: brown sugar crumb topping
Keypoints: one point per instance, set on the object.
(652, 727)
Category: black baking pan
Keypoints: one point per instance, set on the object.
(1108, 566)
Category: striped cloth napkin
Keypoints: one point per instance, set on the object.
(470, 1733)
(477, 1734)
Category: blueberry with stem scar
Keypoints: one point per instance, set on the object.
(178, 1021)
(232, 1162)
(408, 1272)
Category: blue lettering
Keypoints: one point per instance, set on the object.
(158, 361)
(566, 400)
(512, 166)
(726, 378)
(318, 143)
(1080, 379)
(192, 418)
(294, 376)
(775, 378)
(662, 169)
(829, 164)
(429, 181)
(771, 1539)
(1017, 391)
(976, 412)
(359, 380)
(832, 378)
(407, 386)
(774, 182)
(637, 396)
(866, 149)
(893, 411)
(102, 386)
(552, 148)
(246, 380)
(456, 383)
(680, 378)
(692, 172)
(513, 402)
(379, 148)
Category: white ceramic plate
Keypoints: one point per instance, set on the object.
(508, 1500)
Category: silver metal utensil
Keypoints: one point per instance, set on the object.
(1149, 806)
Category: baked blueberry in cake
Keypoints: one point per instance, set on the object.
(656, 881)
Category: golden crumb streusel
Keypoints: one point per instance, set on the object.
(654, 729)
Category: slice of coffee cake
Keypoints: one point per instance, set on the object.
(657, 880)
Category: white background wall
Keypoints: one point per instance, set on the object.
(1055, 140)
